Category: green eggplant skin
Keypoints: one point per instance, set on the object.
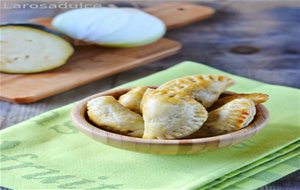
(35, 26)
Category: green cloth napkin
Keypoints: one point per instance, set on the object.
(47, 152)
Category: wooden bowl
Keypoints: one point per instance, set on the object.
(155, 146)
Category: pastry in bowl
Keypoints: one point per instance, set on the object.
(133, 98)
(206, 89)
(108, 113)
(183, 116)
(231, 117)
(170, 116)
(188, 107)
(257, 98)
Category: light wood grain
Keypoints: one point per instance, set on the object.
(176, 15)
(90, 63)
(157, 146)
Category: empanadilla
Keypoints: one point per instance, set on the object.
(204, 88)
(230, 117)
(257, 98)
(169, 116)
(146, 94)
(132, 99)
(108, 113)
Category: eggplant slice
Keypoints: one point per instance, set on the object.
(27, 48)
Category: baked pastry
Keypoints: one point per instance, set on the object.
(109, 114)
(257, 98)
(132, 99)
(177, 109)
(146, 94)
(230, 117)
(204, 88)
(170, 116)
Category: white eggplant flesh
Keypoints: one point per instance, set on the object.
(142, 29)
(90, 24)
(114, 27)
(30, 50)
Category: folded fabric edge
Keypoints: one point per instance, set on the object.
(260, 168)
(260, 162)
(268, 176)
(213, 176)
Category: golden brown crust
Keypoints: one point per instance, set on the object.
(257, 98)
(177, 109)
(107, 113)
(230, 117)
(170, 116)
(204, 88)
(132, 99)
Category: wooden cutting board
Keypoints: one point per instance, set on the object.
(90, 63)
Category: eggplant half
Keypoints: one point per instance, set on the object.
(31, 48)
